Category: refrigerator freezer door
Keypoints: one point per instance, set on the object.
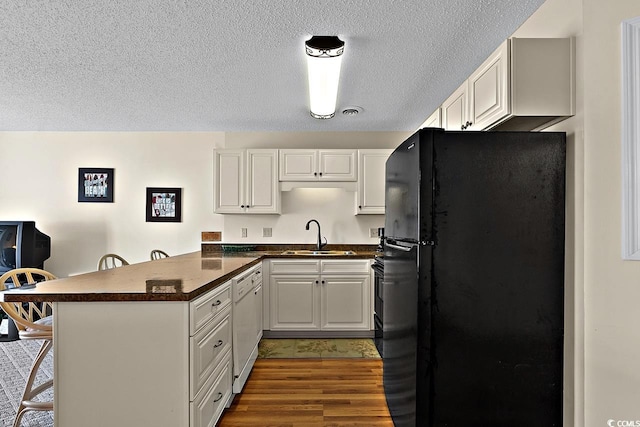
(408, 190)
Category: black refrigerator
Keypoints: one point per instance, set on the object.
(474, 279)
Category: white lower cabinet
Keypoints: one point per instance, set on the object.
(320, 295)
(210, 356)
(209, 403)
(295, 303)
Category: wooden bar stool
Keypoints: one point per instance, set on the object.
(34, 321)
(110, 261)
(157, 254)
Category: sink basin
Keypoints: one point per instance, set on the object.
(311, 252)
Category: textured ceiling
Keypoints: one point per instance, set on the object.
(207, 65)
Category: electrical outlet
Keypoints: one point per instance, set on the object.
(373, 232)
(244, 232)
(266, 232)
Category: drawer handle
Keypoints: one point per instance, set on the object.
(219, 397)
(217, 303)
(218, 344)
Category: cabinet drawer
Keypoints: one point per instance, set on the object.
(207, 348)
(210, 402)
(208, 306)
(350, 266)
(295, 266)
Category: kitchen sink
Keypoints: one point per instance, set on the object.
(312, 252)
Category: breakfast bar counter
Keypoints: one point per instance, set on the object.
(176, 278)
(131, 342)
(146, 344)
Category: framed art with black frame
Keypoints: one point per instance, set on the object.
(164, 204)
(95, 185)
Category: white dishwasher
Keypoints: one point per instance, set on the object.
(246, 323)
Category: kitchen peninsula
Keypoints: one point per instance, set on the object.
(136, 345)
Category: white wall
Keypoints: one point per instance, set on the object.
(39, 176)
(612, 286)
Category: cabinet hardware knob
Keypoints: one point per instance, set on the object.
(218, 344)
(359, 207)
(316, 282)
(219, 397)
(218, 302)
(320, 173)
(242, 206)
(323, 282)
(315, 174)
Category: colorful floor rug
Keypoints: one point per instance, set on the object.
(317, 348)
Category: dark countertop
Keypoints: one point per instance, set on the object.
(177, 278)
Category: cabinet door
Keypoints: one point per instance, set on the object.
(337, 165)
(371, 181)
(454, 109)
(434, 120)
(263, 195)
(489, 90)
(294, 303)
(298, 165)
(229, 181)
(346, 303)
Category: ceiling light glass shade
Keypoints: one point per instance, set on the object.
(324, 60)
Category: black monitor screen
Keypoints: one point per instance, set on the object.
(8, 235)
(22, 245)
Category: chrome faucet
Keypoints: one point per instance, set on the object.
(320, 244)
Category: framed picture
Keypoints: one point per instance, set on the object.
(164, 204)
(95, 185)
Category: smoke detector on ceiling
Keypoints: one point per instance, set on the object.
(351, 111)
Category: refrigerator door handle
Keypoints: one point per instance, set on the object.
(398, 247)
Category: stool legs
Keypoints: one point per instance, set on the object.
(26, 403)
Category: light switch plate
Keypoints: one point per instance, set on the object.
(373, 232)
(266, 232)
(244, 232)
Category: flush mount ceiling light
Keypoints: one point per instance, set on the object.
(324, 58)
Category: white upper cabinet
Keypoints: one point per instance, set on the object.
(525, 84)
(246, 181)
(488, 89)
(455, 109)
(318, 165)
(370, 192)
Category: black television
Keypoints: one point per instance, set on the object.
(22, 245)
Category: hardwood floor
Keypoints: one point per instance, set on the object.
(311, 393)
